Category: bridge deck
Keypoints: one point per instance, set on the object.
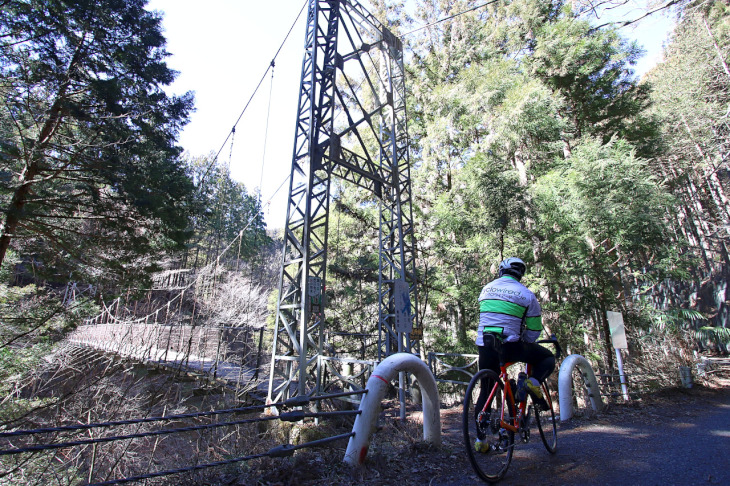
(232, 374)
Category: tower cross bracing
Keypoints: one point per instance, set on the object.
(351, 124)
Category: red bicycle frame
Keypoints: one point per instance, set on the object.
(521, 406)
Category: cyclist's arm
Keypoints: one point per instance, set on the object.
(533, 322)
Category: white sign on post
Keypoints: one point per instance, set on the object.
(618, 332)
(403, 321)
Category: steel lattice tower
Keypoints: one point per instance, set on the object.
(351, 124)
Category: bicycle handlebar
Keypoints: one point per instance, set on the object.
(553, 340)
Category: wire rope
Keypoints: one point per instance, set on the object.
(230, 153)
(294, 402)
(266, 130)
(270, 66)
(284, 450)
(450, 17)
(295, 416)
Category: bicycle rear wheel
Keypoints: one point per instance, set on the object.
(546, 423)
(492, 464)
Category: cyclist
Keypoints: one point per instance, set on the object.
(510, 319)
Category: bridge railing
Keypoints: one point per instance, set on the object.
(152, 341)
(454, 368)
(347, 374)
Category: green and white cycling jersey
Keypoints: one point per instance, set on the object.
(510, 310)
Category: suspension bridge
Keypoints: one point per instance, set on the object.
(213, 323)
(351, 126)
(352, 92)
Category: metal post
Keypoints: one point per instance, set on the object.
(622, 377)
(217, 353)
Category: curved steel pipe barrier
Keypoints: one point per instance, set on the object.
(376, 387)
(565, 385)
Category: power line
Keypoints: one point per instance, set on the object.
(449, 17)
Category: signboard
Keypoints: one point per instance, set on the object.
(618, 332)
(402, 297)
(417, 333)
(314, 292)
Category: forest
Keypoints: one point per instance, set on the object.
(530, 136)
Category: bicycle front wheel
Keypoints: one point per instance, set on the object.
(489, 447)
(546, 423)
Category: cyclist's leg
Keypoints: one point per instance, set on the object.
(541, 359)
(543, 364)
(488, 360)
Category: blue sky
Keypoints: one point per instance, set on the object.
(651, 32)
(222, 49)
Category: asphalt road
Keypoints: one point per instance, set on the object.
(682, 438)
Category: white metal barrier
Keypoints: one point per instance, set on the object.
(565, 385)
(377, 385)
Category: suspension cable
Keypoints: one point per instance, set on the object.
(180, 470)
(69, 428)
(270, 66)
(292, 402)
(284, 450)
(268, 201)
(266, 130)
(230, 153)
(294, 416)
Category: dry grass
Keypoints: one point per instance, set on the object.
(83, 387)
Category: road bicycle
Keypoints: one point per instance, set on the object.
(503, 417)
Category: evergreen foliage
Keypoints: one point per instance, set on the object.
(691, 94)
(88, 138)
(223, 208)
(537, 140)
